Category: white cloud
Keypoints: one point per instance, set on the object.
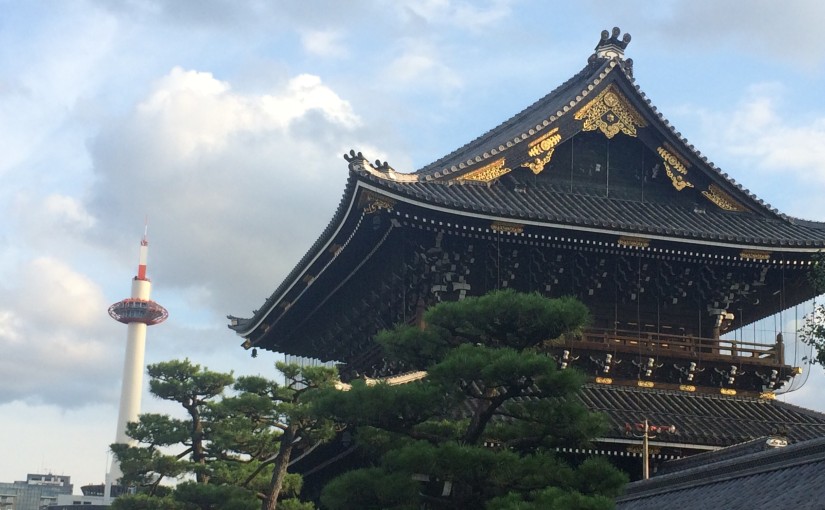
(193, 111)
(324, 43)
(458, 15)
(420, 67)
(236, 185)
(45, 75)
(69, 211)
(55, 294)
(760, 137)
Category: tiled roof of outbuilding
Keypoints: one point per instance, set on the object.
(790, 477)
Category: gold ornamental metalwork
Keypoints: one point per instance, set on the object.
(639, 450)
(687, 387)
(378, 205)
(727, 391)
(755, 255)
(373, 202)
(541, 150)
(604, 380)
(767, 395)
(487, 173)
(645, 384)
(611, 113)
(633, 242)
(510, 228)
(722, 199)
(675, 167)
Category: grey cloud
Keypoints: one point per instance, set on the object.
(56, 338)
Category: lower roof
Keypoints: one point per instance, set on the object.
(549, 205)
(701, 420)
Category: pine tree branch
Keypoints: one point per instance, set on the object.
(183, 453)
(260, 468)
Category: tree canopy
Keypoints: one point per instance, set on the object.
(235, 442)
(481, 429)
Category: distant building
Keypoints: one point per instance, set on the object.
(38, 491)
(92, 498)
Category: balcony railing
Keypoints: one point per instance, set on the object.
(682, 345)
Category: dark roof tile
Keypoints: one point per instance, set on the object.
(744, 476)
(702, 419)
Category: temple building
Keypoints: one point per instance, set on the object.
(588, 192)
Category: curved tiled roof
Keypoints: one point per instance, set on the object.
(671, 219)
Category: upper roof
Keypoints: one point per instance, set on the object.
(789, 477)
(509, 171)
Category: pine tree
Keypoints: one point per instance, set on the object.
(482, 428)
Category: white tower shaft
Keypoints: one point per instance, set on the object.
(132, 386)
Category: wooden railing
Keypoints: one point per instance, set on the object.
(634, 341)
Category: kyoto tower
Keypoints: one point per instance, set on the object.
(138, 312)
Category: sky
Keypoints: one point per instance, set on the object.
(224, 123)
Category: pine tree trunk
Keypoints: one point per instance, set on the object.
(278, 474)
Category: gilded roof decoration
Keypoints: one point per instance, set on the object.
(358, 163)
(541, 149)
(755, 255)
(675, 167)
(373, 202)
(722, 199)
(634, 242)
(502, 226)
(487, 173)
(611, 113)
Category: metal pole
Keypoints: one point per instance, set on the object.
(645, 461)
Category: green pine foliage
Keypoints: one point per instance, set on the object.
(812, 331)
(231, 450)
(480, 431)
